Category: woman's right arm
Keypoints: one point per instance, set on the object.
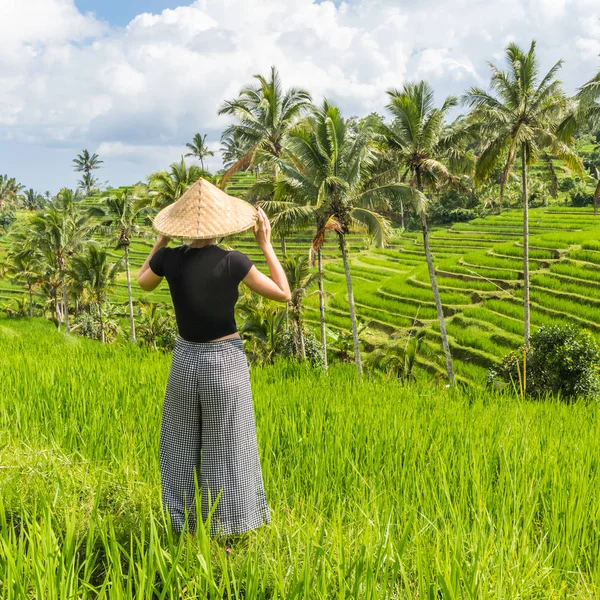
(275, 287)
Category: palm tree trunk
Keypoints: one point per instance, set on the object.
(101, 322)
(402, 215)
(357, 358)
(130, 295)
(438, 301)
(30, 289)
(65, 300)
(283, 245)
(525, 247)
(596, 198)
(301, 345)
(322, 308)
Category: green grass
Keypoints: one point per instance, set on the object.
(376, 490)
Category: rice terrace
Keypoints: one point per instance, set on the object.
(426, 398)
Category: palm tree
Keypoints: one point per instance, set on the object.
(66, 200)
(232, 148)
(154, 321)
(263, 324)
(58, 234)
(119, 214)
(585, 113)
(9, 191)
(326, 172)
(399, 358)
(264, 115)
(301, 280)
(199, 149)
(22, 264)
(88, 183)
(165, 187)
(524, 117)
(426, 149)
(94, 271)
(86, 163)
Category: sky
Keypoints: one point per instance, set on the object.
(134, 80)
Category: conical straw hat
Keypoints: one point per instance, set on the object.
(204, 211)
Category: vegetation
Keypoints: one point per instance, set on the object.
(445, 492)
(560, 361)
(422, 210)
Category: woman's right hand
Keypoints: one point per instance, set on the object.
(262, 229)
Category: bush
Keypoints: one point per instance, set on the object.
(7, 218)
(562, 360)
(313, 347)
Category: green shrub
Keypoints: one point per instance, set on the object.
(286, 346)
(562, 360)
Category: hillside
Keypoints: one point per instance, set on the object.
(479, 267)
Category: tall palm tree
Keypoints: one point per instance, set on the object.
(301, 280)
(426, 149)
(119, 213)
(59, 234)
(524, 117)
(165, 187)
(264, 114)
(199, 149)
(94, 271)
(326, 172)
(86, 163)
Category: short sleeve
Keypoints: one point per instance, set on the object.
(239, 265)
(157, 260)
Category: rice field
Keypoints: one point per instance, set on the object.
(376, 490)
(479, 268)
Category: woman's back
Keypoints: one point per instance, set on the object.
(204, 284)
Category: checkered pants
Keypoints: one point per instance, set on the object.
(208, 428)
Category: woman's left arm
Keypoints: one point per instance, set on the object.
(147, 279)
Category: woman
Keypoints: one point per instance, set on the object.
(208, 428)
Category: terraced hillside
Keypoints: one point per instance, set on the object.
(479, 267)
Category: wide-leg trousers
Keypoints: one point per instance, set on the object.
(208, 429)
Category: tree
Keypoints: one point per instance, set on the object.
(301, 280)
(119, 215)
(199, 149)
(94, 271)
(523, 118)
(399, 357)
(232, 148)
(22, 265)
(58, 234)
(165, 187)
(327, 175)
(264, 115)
(86, 163)
(32, 200)
(426, 149)
(263, 325)
(9, 192)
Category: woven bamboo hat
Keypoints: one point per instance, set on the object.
(204, 211)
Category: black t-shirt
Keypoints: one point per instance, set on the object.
(204, 287)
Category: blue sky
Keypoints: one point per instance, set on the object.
(134, 81)
(120, 12)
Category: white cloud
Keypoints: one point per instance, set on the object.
(139, 93)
